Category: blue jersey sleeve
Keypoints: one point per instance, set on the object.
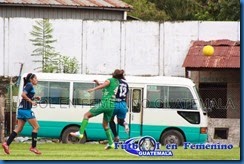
(28, 87)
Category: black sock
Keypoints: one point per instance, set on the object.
(11, 137)
(34, 139)
(113, 128)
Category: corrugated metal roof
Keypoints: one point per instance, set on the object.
(226, 55)
(113, 4)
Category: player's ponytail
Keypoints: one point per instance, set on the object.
(28, 77)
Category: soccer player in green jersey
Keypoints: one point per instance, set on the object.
(106, 106)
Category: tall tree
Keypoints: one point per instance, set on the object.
(145, 10)
(50, 60)
(214, 10)
(43, 40)
(176, 9)
(218, 10)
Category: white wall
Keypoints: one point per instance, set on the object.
(1, 47)
(177, 41)
(101, 46)
(141, 48)
(68, 34)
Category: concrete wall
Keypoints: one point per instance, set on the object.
(141, 48)
(233, 126)
(232, 78)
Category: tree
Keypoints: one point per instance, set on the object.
(68, 65)
(176, 9)
(50, 60)
(212, 10)
(145, 10)
(218, 10)
(43, 39)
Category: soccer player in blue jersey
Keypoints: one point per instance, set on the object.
(120, 106)
(26, 114)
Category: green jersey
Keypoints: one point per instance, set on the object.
(110, 91)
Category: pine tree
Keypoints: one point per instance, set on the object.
(43, 39)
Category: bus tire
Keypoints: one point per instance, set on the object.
(172, 137)
(67, 138)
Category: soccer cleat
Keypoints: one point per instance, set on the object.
(6, 148)
(109, 147)
(127, 129)
(77, 134)
(35, 150)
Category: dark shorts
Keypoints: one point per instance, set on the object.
(120, 109)
(25, 114)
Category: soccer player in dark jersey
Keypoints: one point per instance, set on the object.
(26, 114)
(120, 109)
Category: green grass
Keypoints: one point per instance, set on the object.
(58, 151)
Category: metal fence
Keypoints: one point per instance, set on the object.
(221, 99)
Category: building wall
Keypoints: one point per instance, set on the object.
(233, 135)
(60, 13)
(232, 78)
(232, 120)
(141, 48)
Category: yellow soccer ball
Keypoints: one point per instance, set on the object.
(208, 50)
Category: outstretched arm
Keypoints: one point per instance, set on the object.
(97, 83)
(106, 83)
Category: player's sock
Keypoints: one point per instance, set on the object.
(109, 136)
(113, 128)
(11, 137)
(34, 139)
(83, 125)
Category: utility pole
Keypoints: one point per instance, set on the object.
(11, 104)
(2, 119)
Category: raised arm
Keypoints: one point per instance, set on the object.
(106, 83)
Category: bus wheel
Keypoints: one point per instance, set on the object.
(67, 138)
(172, 137)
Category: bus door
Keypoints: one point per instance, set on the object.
(135, 111)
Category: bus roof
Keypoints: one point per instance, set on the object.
(101, 78)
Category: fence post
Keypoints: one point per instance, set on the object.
(2, 120)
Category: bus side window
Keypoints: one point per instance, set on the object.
(59, 93)
(80, 94)
(42, 90)
(136, 101)
(181, 98)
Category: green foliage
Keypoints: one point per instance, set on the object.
(145, 10)
(45, 52)
(212, 10)
(218, 10)
(50, 60)
(68, 65)
(176, 9)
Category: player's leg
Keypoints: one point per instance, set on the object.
(121, 115)
(35, 127)
(112, 123)
(114, 130)
(15, 132)
(96, 110)
(108, 113)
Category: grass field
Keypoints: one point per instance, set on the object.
(58, 151)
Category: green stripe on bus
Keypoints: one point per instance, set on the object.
(53, 129)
